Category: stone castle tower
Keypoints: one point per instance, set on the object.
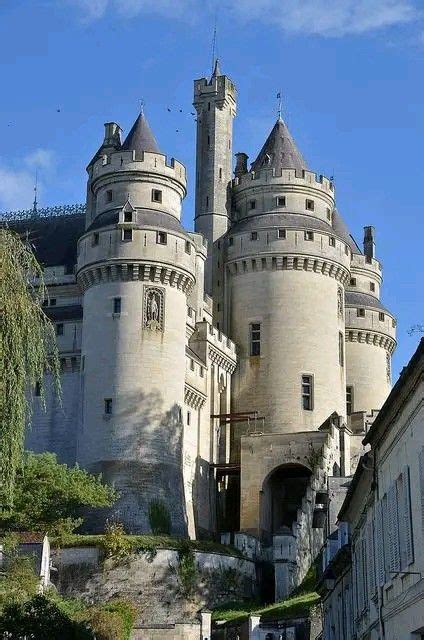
(223, 374)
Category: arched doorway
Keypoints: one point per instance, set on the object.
(281, 497)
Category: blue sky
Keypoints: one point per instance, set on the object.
(351, 73)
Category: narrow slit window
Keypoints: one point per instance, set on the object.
(255, 339)
(307, 392)
(341, 349)
(108, 406)
(37, 390)
(117, 305)
(95, 239)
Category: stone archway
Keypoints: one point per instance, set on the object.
(282, 493)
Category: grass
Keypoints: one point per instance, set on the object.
(150, 543)
(303, 598)
(295, 607)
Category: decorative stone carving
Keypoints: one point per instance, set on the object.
(340, 301)
(154, 308)
(388, 366)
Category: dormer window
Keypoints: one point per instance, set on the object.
(309, 205)
(109, 195)
(128, 216)
(156, 195)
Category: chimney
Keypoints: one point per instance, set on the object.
(241, 164)
(369, 242)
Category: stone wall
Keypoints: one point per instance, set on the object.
(152, 580)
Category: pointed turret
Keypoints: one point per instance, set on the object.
(141, 138)
(216, 69)
(279, 151)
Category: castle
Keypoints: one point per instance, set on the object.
(224, 374)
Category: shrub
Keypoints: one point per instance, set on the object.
(159, 518)
(115, 542)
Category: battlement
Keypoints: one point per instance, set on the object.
(217, 88)
(123, 161)
(285, 176)
(361, 262)
(207, 331)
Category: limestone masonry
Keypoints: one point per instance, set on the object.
(221, 375)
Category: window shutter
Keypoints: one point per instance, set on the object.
(421, 465)
(407, 517)
(379, 544)
(394, 563)
(371, 555)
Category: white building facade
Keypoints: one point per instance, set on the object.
(373, 567)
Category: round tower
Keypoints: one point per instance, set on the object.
(370, 333)
(136, 266)
(286, 268)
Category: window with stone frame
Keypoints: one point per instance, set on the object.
(307, 392)
(255, 339)
(349, 400)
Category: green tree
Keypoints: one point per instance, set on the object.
(49, 496)
(27, 350)
(41, 619)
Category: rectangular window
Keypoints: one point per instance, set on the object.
(381, 316)
(109, 195)
(59, 329)
(187, 246)
(360, 313)
(309, 205)
(108, 406)
(349, 400)
(161, 237)
(307, 393)
(192, 365)
(188, 417)
(207, 202)
(127, 235)
(156, 195)
(201, 372)
(368, 259)
(281, 201)
(127, 216)
(332, 241)
(372, 286)
(252, 204)
(254, 235)
(352, 282)
(37, 390)
(52, 302)
(231, 241)
(309, 235)
(95, 240)
(329, 215)
(341, 349)
(117, 305)
(255, 339)
(282, 234)
(220, 173)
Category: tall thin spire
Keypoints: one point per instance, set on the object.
(35, 203)
(214, 51)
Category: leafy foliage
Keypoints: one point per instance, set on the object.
(41, 619)
(115, 542)
(27, 350)
(19, 582)
(48, 496)
(159, 518)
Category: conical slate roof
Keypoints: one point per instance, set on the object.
(279, 151)
(140, 138)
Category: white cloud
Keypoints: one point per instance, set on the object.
(319, 17)
(17, 181)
